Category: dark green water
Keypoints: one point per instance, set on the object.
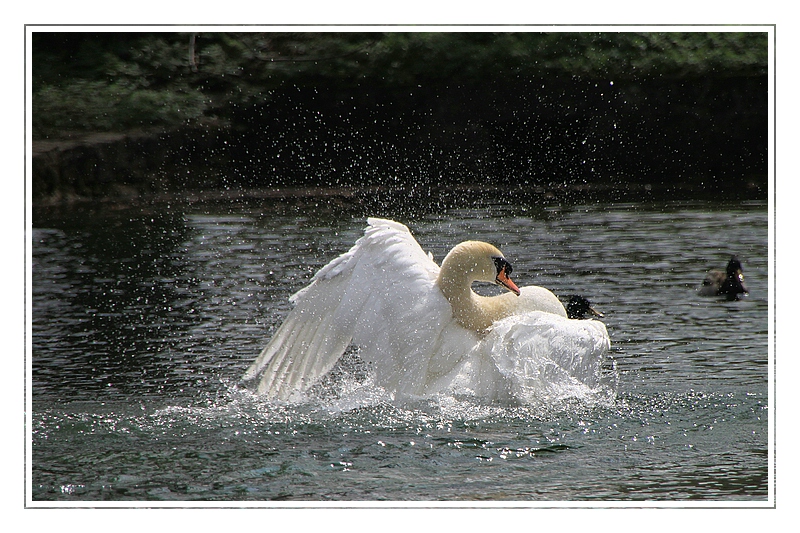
(145, 319)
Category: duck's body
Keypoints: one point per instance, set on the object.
(729, 283)
(419, 326)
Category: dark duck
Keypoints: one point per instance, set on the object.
(729, 283)
(578, 306)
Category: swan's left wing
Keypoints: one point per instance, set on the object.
(371, 288)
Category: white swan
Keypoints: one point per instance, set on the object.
(423, 329)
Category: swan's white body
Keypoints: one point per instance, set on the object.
(389, 298)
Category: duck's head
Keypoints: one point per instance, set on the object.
(734, 283)
(478, 261)
(734, 268)
(578, 306)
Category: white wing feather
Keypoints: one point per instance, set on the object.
(379, 296)
(542, 355)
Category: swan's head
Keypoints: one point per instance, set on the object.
(479, 261)
(503, 270)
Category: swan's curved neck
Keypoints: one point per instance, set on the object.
(472, 311)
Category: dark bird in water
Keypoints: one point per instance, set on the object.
(729, 283)
(578, 306)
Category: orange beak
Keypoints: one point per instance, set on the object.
(503, 279)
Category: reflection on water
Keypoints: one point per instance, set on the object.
(144, 320)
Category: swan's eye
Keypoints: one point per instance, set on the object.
(501, 264)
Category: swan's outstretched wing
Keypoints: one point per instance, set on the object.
(543, 356)
(364, 296)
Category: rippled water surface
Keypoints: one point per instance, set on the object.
(145, 319)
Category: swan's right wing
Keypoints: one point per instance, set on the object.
(535, 298)
(385, 272)
(543, 356)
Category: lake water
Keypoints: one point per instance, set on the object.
(145, 318)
